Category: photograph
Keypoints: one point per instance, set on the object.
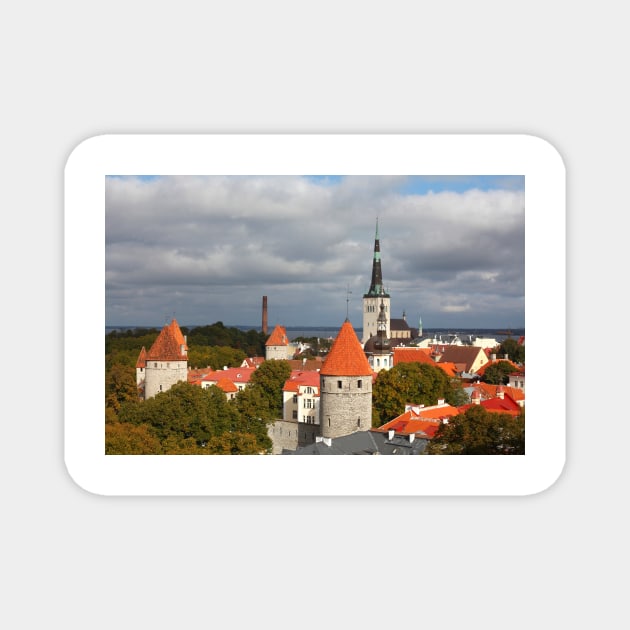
(314, 314)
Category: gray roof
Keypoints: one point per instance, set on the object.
(363, 443)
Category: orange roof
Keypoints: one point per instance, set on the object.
(170, 345)
(226, 385)
(408, 423)
(236, 375)
(499, 405)
(448, 367)
(142, 358)
(346, 356)
(490, 391)
(278, 337)
(410, 355)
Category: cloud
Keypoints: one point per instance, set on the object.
(210, 247)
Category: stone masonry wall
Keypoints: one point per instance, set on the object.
(163, 375)
(345, 409)
(291, 435)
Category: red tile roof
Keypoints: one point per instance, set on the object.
(227, 385)
(490, 391)
(409, 355)
(142, 358)
(422, 355)
(346, 356)
(499, 405)
(409, 423)
(302, 378)
(236, 375)
(170, 345)
(278, 337)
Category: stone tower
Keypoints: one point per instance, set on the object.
(375, 296)
(166, 361)
(345, 402)
(277, 346)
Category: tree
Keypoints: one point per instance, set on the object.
(186, 411)
(120, 386)
(187, 419)
(418, 383)
(129, 439)
(215, 356)
(498, 373)
(514, 350)
(270, 378)
(480, 432)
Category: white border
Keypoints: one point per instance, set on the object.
(352, 154)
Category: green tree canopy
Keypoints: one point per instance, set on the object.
(269, 378)
(498, 373)
(480, 432)
(120, 386)
(186, 417)
(215, 356)
(514, 350)
(122, 438)
(418, 383)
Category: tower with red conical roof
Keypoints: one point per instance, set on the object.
(345, 387)
(277, 346)
(166, 362)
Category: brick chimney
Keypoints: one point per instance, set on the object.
(264, 314)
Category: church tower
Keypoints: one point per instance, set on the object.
(375, 296)
(345, 401)
(378, 348)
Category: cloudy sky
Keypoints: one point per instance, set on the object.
(207, 249)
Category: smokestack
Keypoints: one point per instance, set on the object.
(264, 314)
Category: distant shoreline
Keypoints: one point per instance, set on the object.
(331, 331)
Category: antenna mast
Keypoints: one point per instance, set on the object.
(348, 292)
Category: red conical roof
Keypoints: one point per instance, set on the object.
(346, 357)
(142, 358)
(278, 337)
(170, 345)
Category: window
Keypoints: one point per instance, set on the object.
(358, 422)
(295, 398)
(360, 384)
(295, 414)
(155, 365)
(339, 384)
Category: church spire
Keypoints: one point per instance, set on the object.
(376, 286)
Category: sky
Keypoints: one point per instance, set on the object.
(204, 249)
